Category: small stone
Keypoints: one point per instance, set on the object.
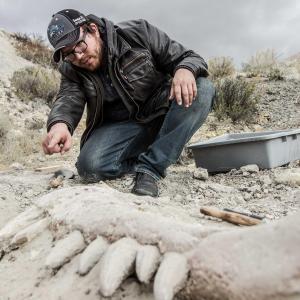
(56, 181)
(178, 198)
(17, 166)
(254, 188)
(220, 188)
(247, 197)
(201, 173)
(250, 168)
(266, 180)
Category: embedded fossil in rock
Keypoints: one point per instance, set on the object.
(124, 238)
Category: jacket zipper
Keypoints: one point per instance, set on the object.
(98, 94)
(132, 61)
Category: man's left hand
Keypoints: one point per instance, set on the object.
(184, 88)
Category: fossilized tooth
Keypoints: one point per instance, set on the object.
(171, 276)
(65, 249)
(30, 232)
(116, 264)
(92, 254)
(22, 221)
(147, 261)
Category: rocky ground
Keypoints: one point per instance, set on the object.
(268, 193)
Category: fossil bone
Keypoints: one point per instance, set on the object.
(91, 255)
(171, 276)
(116, 264)
(30, 232)
(65, 249)
(22, 221)
(261, 262)
(147, 261)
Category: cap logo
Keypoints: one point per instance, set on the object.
(55, 31)
(79, 20)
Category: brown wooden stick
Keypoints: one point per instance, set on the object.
(48, 168)
(231, 217)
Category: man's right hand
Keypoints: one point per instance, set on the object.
(58, 139)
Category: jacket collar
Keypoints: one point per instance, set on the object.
(116, 44)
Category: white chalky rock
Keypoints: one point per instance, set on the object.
(22, 221)
(147, 261)
(65, 249)
(116, 264)
(171, 276)
(290, 177)
(30, 232)
(250, 168)
(92, 255)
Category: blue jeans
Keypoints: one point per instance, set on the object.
(117, 148)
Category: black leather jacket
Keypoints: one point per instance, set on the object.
(141, 59)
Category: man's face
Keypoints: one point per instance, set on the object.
(91, 57)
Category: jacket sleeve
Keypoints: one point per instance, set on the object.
(68, 106)
(171, 55)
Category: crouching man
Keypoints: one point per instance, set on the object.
(145, 94)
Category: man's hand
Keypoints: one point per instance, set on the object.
(58, 139)
(184, 88)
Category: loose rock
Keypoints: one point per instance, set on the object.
(201, 173)
(250, 168)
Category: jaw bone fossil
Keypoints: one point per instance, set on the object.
(125, 238)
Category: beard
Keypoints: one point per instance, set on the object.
(93, 58)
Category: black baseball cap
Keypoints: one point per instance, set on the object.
(64, 30)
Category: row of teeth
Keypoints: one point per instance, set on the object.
(115, 261)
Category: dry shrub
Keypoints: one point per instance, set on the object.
(235, 99)
(34, 48)
(36, 82)
(220, 67)
(264, 64)
(5, 125)
(16, 146)
(295, 63)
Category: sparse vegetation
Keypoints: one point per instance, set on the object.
(294, 63)
(34, 48)
(4, 125)
(36, 82)
(14, 144)
(235, 99)
(264, 64)
(17, 145)
(220, 67)
(275, 73)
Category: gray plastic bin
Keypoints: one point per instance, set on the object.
(267, 149)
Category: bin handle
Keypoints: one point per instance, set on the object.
(283, 138)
